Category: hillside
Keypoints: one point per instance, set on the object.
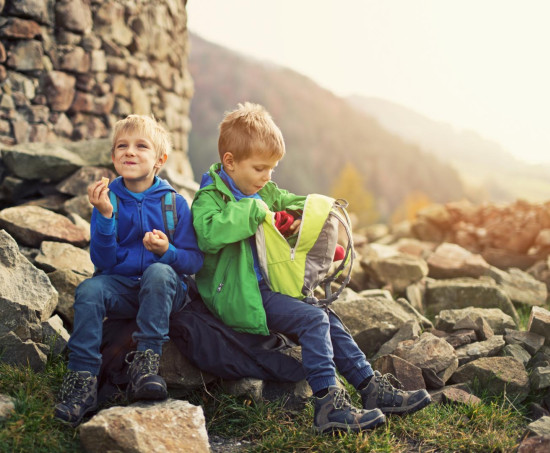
(322, 131)
(480, 162)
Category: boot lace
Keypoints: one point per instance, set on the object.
(74, 387)
(341, 399)
(143, 362)
(385, 384)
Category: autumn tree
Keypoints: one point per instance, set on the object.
(414, 202)
(350, 185)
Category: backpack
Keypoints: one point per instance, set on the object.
(169, 214)
(297, 265)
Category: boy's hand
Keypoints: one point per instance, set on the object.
(98, 194)
(156, 241)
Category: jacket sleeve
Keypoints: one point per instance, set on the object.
(184, 256)
(220, 224)
(286, 201)
(103, 244)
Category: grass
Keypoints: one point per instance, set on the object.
(493, 426)
(32, 428)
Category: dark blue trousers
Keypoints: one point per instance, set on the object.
(150, 300)
(326, 344)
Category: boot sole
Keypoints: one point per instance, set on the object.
(335, 426)
(408, 409)
(75, 423)
(152, 392)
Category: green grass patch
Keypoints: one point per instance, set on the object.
(494, 425)
(31, 427)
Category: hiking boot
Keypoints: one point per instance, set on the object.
(145, 383)
(77, 397)
(335, 412)
(382, 394)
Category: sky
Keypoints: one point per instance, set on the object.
(482, 65)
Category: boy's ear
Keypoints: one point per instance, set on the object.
(228, 161)
(161, 161)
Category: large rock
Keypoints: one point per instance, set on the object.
(431, 353)
(295, 395)
(55, 256)
(26, 295)
(409, 331)
(54, 335)
(496, 375)
(167, 426)
(397, 271)
(30, 225)
(65, 281)
(180, 374)
(35, 9)
(496, 318)
(540, 427)
(95, 152)
(372, 317)
(75, 15)
(479, 349)
(520, 286)
(78, 182)
(466, 292)
(517, 352)
(23, 353)
(408, 375)
(35, 160)
(539, 322)
(529, 341)
(60, 89)
(452, 261)
(7, 406)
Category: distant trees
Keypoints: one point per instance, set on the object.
(349, 184)
(413, 203)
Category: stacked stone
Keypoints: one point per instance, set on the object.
(69, 69)
(511, 235)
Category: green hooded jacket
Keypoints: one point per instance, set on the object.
(227, 281)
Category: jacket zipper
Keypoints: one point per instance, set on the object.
(224, 277)
(141, 228)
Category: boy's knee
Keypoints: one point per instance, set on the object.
(318, 317)
(90, 289)
(159, 272)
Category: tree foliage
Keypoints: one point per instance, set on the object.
(350, 185)
(413, 203)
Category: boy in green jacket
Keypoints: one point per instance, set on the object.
(234, 198)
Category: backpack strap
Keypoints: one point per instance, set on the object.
(115, 202)
(346, 262)
(169, 214)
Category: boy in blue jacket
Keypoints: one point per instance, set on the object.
(139, 273)
(233, 200)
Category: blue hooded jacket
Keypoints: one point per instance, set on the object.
(128, 256)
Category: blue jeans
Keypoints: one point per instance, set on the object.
(326, 344)
(150, 301)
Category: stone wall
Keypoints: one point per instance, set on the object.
(69, 69)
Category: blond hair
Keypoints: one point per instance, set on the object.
(147, 126)
(250, 129)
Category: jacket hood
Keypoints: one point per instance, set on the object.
(117, 186)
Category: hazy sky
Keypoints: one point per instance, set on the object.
(477, 64)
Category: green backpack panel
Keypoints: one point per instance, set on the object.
(296, 266)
